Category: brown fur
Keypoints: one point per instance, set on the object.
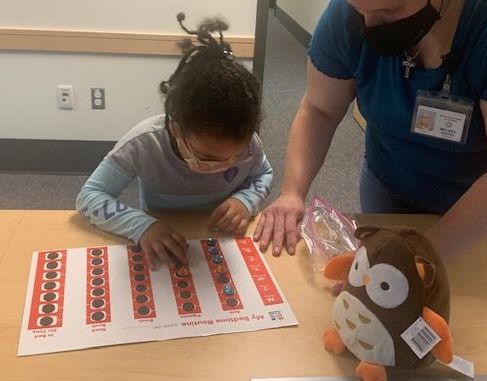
(410, 252)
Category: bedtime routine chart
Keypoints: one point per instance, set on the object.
(96, 296)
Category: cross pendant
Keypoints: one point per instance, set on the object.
(408, 65)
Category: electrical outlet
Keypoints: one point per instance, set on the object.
(97, 98)
(65, 97)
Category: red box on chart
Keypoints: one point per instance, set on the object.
(48, 294)
(97, 286)
(263, 281)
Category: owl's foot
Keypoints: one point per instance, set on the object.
(332, 341)
(371, 372)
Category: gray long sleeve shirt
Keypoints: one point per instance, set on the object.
(165, 182)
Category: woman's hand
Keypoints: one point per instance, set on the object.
(279, 223)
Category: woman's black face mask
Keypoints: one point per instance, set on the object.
(399, 36)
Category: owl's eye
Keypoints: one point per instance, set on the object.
(388, 287)
(360, 267)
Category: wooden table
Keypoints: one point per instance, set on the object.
(273, 353)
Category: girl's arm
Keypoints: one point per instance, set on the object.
(257, 186)
(97, 201)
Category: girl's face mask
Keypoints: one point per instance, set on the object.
(399, 36)
(200, 165)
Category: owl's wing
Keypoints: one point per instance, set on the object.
(443, 351)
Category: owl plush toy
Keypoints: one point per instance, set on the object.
(394, 278)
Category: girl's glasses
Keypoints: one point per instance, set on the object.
(204, 165)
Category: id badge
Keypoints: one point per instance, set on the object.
(442, 116)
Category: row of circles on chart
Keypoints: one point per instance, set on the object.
(221, 275)
(141, 284)
(98, 288)
(48, 307)
(185, 292)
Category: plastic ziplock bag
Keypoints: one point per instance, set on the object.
(327, 233)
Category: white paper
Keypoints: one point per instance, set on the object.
(462, 366)
(66, 322)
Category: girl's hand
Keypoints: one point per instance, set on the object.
(231, 216)
(161, 243)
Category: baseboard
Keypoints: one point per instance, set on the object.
(301, 34)
(52, 156)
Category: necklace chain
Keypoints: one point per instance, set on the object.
(410, 62)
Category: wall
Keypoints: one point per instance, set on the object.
(29, 79)
(141, 16)
(28, 109)
(306, 12)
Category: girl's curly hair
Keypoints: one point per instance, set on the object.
(210, 92)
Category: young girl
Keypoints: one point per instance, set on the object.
(203, 154)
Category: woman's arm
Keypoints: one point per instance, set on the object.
(322, 108)
(465, 224)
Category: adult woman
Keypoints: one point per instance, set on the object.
(385, 52)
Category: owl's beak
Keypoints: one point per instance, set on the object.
(366, 279)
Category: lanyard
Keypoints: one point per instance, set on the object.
(451, 61)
